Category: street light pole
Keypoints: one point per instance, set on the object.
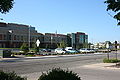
(116, 48)
(29, 37)
(51, 40)
(10, 31)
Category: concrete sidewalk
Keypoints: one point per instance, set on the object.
(102, 66)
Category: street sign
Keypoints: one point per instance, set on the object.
(38, 42)
(107, 46)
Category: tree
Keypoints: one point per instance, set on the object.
(62, 44)
(24, 47)
(36, 49)
(6, 5)
(59, 74)
(85, 45)
(114, 5)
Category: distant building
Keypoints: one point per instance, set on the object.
(51, 40)
(14, 35)
(78, 40)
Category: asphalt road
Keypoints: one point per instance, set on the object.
(32, 67)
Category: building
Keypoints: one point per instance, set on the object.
(14, 35)
(78, 40)
(51, 40)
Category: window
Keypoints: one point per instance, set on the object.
(0, 36)
(5, 37)
(22, 38)
(14, 37)
(18, 38)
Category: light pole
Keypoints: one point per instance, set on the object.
(116, 48)
(51, 40)
(29, 37)
(10, 31)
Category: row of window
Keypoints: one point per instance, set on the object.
(3, 37)
(54, 39)
(16, 37)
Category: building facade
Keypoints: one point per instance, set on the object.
(51, 40)
(14, 35)
(78, 40)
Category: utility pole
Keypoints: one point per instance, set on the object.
(51, 40)
(10, 31)
(29, 37)
(116, 49)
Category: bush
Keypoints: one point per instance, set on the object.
(24, 48)
(30, 55)
(59, 74)
(110, 60)
(10, 76)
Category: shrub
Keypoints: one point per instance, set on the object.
(110, 60)
(10, 76)
(59, 74)
(24, 48)
(30, 55)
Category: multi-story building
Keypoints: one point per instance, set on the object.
(51, 40)
(14, 35)
(78, 39)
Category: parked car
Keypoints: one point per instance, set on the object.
(46, 50)
(87, 50)
(71, 51)
(68, 48)
(60, 50)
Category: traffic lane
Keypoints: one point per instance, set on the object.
(39, 65)
(46, 64)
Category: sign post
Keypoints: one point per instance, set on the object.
(116, 48)
(37, 43)
(108, 46)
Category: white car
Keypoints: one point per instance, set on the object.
(59, 50)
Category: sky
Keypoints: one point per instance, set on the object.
(66, 16)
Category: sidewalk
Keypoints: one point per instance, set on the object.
(102, 66)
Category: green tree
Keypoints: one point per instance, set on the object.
(6, 5)
(59, 74)
(85, 45)
(36, 49)
(24, 47)
(62, 44)
(114, 5)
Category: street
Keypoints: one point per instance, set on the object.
(32, 67)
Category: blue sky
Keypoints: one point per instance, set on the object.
(66, 16)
